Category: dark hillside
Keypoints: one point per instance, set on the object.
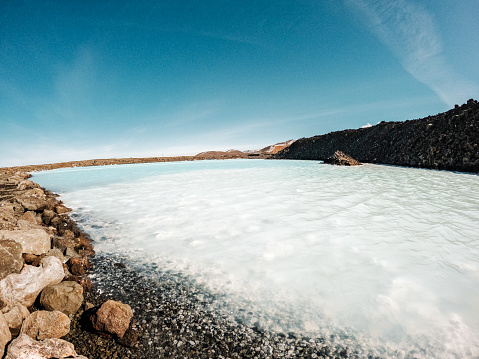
(448, 141)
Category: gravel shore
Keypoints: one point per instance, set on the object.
(173, 323)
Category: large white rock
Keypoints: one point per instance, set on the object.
(25, 347)
(23, 288)
(5, 335)
(34, 241)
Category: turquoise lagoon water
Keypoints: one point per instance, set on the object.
(382, 259)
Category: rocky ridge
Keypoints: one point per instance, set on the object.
(446, 141)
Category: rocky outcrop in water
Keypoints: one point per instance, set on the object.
(446, 141)
(341, 159)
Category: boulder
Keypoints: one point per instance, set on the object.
(61, 209)
(30, 216)
(22, 174)
(23, 288)
(26, 184)
(25, 347)
(44, 324)
(15, 318)
(11, 260)
(25, 225)
(32, 259)
(341, 159)
(78, 266)
(5, 335)
(112, 318)
(63, 244)
(35, 192)
(7, 216)
(47, 215)
(69, 235)
(35, 241)
(66, 297)
(55, 252)
(32, 203)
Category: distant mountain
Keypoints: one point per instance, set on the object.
(221, 154)
(448, 141)
(269, 150)
(272, 149)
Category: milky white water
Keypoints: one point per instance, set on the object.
(385, 259)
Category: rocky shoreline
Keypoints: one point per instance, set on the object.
(44, 263)
(446, 141)
(168, 318)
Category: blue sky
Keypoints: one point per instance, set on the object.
(100, 79)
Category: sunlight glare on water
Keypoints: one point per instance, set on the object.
(385, 258)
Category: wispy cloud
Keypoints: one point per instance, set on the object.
(410, 32)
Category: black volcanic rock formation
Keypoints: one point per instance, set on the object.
(446, 141)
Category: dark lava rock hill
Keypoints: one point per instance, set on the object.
(446, 141)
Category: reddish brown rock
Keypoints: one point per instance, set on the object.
(78, 266)
(112, 318)
(46, 325)
(32, 259)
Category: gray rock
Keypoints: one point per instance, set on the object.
(11, 260)
(5, 335)
(66, 297)
(25, 347)
(36, 241)
(23, 288)
(44, 324)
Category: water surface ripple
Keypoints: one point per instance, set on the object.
(383, 258)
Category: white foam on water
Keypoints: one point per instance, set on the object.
(384, 259)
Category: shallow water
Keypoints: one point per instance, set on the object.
(383, 259)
